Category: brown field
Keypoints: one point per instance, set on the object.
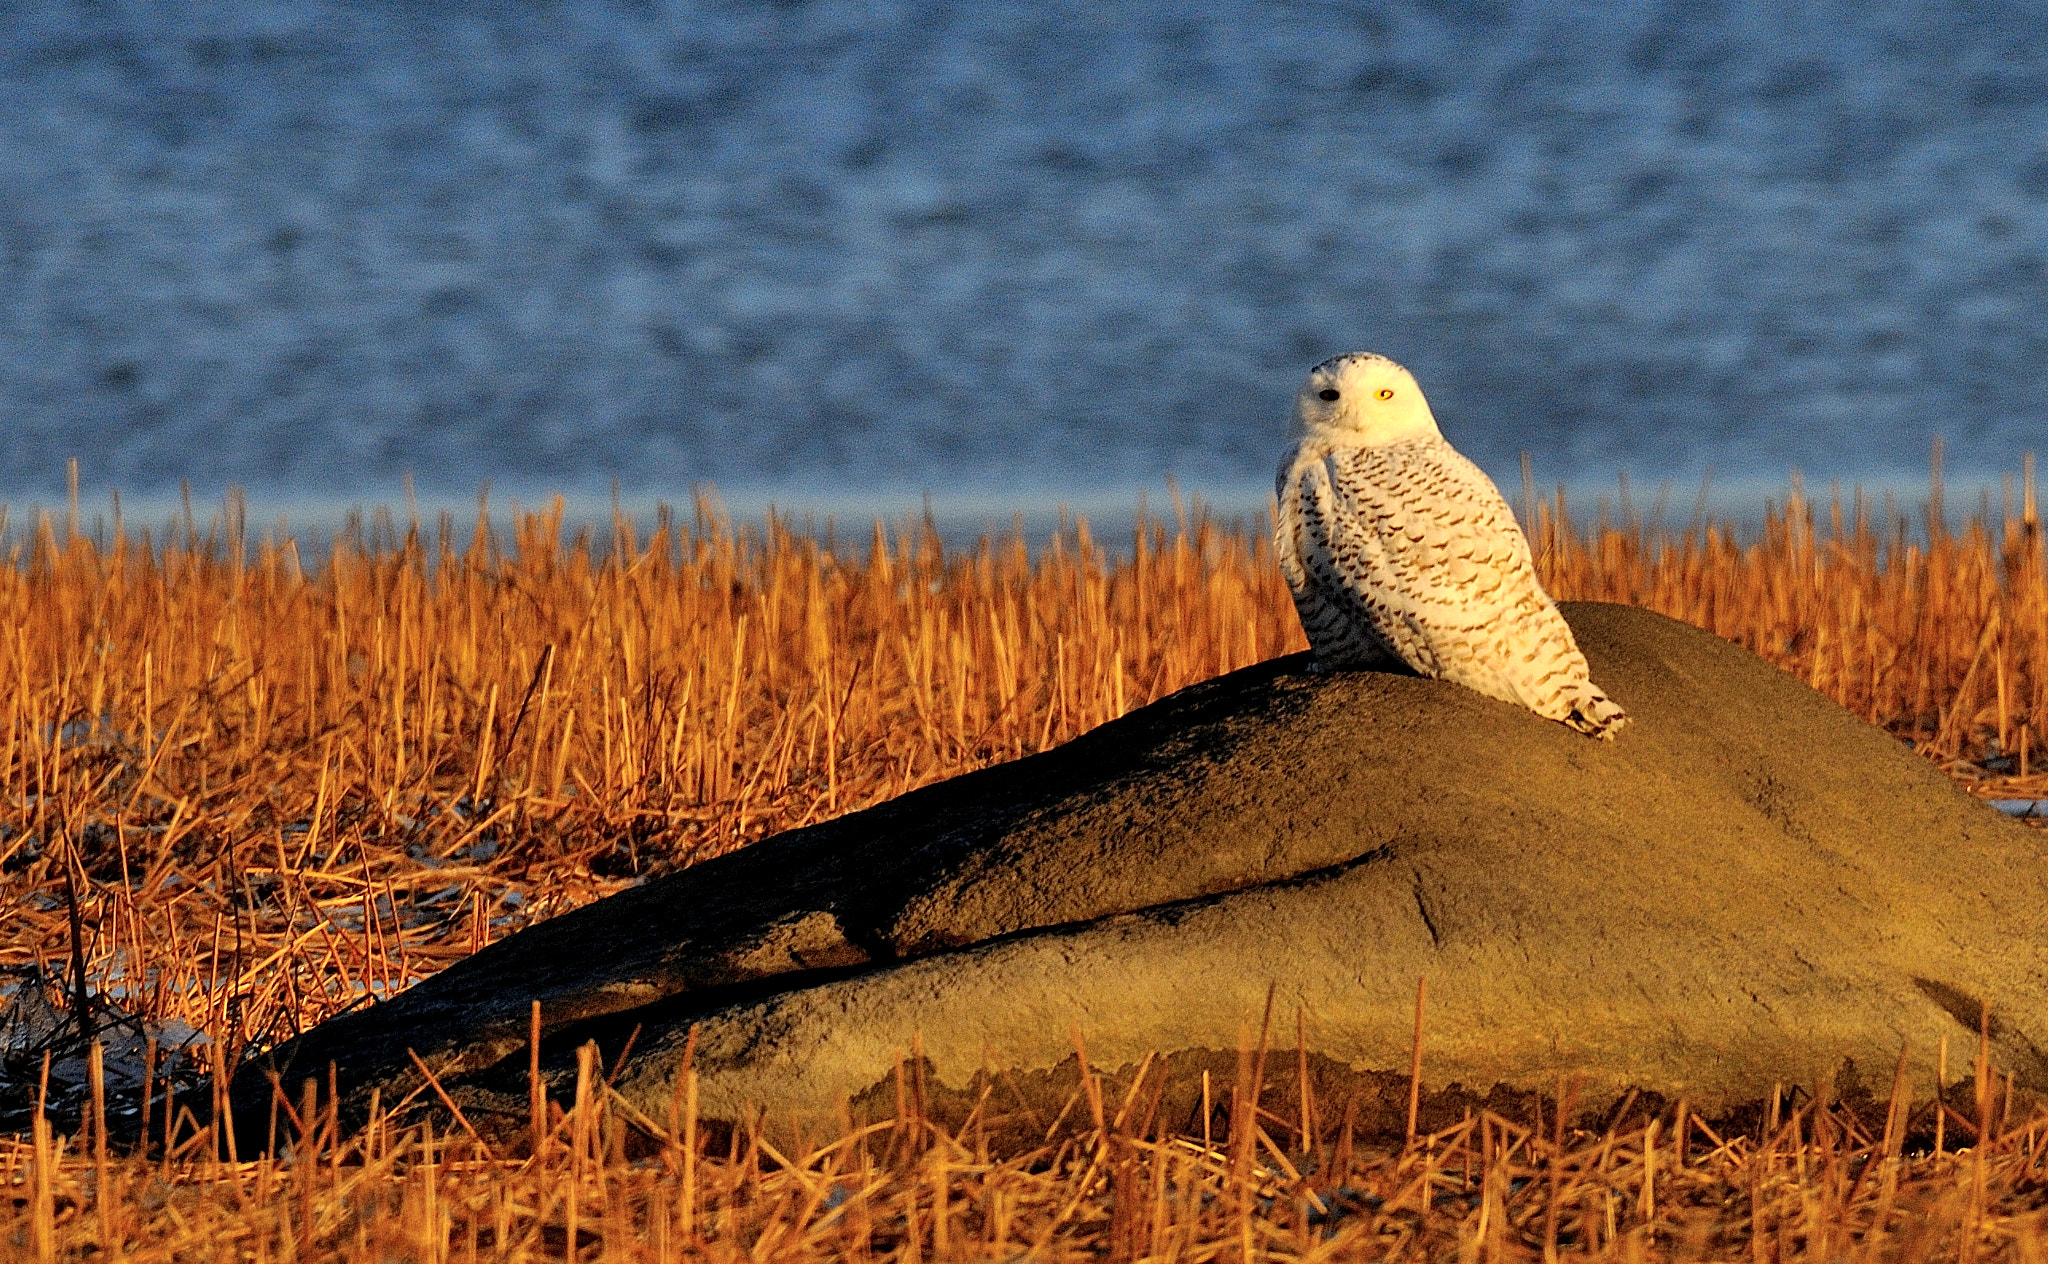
(244, 789)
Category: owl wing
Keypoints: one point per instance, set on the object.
(1411, 548)
(1445, 561)
(1437, 532)
(1320, 549)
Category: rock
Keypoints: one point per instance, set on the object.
(1750, 885)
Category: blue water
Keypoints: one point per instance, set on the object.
(821, 249)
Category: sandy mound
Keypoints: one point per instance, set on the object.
(1749, 885)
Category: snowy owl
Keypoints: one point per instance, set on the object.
(1396, 547)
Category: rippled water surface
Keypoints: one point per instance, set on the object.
(1024, 248)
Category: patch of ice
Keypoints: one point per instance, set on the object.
(2021, 807)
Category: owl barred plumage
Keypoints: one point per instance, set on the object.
(1397, 548)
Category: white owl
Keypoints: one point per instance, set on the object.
(1396, 547)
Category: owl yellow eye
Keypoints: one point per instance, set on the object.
(1385, 392)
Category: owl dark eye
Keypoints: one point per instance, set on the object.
(1326, 394)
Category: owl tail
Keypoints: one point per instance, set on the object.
(1595, 714)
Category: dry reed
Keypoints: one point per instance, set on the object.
(242, 791)
(1819, 1181)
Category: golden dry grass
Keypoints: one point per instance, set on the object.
(262, 787)
(1812, 1185)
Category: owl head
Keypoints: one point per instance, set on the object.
(1363, 398)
